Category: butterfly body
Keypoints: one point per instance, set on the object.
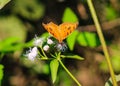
(62, 31)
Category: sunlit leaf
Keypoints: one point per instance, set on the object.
(69, 16)
(72, 57)
(115, 62)
(29, 44)
(10, 44)
(110, 13)
(45, 35)
(54, 64)
(9, 41)
(1, 73)
(88, 39)
(72, 39)
(3, 3)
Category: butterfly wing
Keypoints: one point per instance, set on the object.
(65, 29)
(52, 29)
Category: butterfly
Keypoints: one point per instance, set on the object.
(60, 32)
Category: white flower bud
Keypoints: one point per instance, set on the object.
(32, 53)
(38, 41)
(46, 48)
(61, 47)
(49, 41)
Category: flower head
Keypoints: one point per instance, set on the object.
(61, 47)
(46, 48)
(49, 41)
(32, 53)
(38, 41)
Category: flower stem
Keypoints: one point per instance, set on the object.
(43, 53)
(70, 74)
(100, 34)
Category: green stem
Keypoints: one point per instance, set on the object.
(100, 34)
(43, 53)
(70, 74)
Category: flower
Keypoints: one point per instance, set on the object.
(46, 48)
(32, 53)
(49, 41)
(61, 47)
(38, 41)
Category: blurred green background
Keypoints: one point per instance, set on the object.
(21, 20)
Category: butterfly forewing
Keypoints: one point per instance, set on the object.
(52, 29)
(66, 28)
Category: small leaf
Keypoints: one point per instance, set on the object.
(1, 71)
(88, 39)
(54, 64)
(115, 63)
(72, 39)
(73, 57)
(29, 44)
(45, 35)
(110, 13)
(3, 3)
(69, 16)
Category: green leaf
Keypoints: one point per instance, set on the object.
(10, 44)
(1, 72)
(110, 13)
(3, 3)
(29, 44)
(115, 63)
(88, 39)
(45, 35)
(72, 39)
(9, 41)
(69, 16)
(54, 64)
(72, 57)
(12, 48)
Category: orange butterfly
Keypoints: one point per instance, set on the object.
(60, 32)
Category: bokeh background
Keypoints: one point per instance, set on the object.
(21, 20)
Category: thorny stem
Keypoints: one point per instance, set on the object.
(70, 74)
(100, 34)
